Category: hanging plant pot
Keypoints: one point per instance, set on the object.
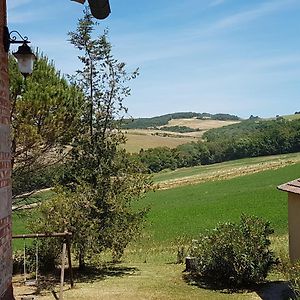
(100, 9)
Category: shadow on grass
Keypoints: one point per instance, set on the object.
(275, 290)
(194, 280)
(50, 281)
(92, 274)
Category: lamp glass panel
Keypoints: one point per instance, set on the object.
(25, 63)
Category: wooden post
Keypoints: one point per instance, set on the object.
(67, 242)
(62, 273)
(70, 260)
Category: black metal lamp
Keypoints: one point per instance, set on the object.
(100, 9)
(24, 55)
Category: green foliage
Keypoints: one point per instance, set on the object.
(235, 255)
(46, 112)
(181, 129)
(18, 262)
(47, 257)
(36, 179)
(101, 181)
(220, 117)
(157, 159)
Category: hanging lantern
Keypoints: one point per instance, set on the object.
(25, 59)
(100, 9)
(24, 55)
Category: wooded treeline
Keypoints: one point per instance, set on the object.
(246, 139)
(145, 123)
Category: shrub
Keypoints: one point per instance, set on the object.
(234, 255)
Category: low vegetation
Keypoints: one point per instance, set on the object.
(234, 255)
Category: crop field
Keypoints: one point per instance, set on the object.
(226, 170)
(144, 139)
(200, 124)
(292, 117)
(151, 138)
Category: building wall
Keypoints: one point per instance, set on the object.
(5, 171)
(294, 225)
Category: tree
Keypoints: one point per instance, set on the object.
(45, 115)
(101, 173)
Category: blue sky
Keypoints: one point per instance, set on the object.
(230, 56)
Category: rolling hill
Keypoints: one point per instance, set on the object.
(172, 130)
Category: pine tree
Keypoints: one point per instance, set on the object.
(45, 115)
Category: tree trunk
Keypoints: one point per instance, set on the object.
(81, 260)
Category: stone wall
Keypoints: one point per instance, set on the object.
(5, 171)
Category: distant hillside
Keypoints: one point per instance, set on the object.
(156, 122)
(247, 127)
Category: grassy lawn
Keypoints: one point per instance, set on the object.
(177, 215)
(140, 281)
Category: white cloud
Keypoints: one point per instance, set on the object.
(249, 15)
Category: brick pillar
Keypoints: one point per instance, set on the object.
(5, 171)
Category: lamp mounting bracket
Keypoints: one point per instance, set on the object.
(12, 38)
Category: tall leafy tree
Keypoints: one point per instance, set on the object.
(102, 173)
(45, 114)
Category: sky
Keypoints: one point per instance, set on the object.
(217, 56)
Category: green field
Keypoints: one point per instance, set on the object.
(188, 210)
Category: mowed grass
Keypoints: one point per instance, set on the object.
(137, 281)
(20, 222)
(187, 211)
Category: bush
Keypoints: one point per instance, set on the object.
(234, 255)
